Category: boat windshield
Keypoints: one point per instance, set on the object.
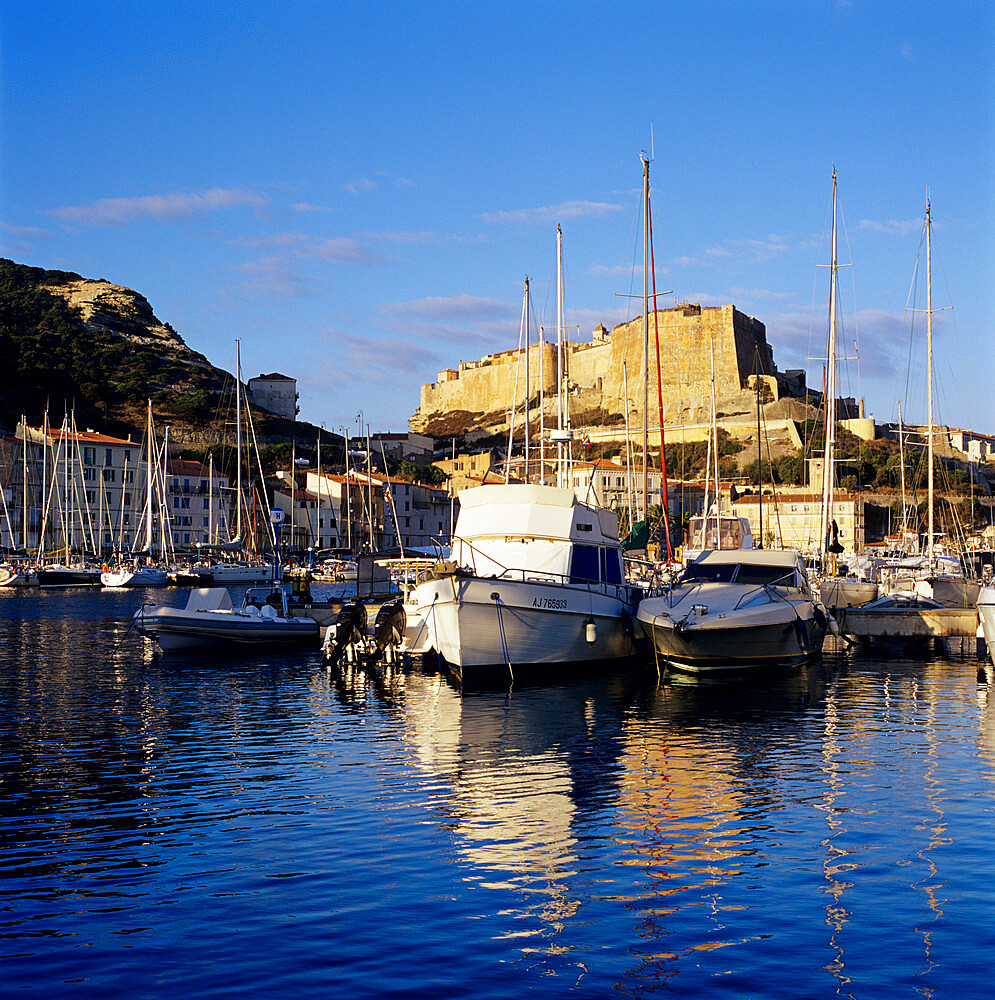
(710, 573)
(761, 575)
(748, 574)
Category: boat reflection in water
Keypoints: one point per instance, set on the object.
(728, 822)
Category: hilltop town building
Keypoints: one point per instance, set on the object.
(276, 393)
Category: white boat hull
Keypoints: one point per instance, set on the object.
(148, 576)
(226, 573)
(781, 635)
(479, 622)
(837, 592)
(177, 628)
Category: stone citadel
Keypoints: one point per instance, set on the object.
(478, 394)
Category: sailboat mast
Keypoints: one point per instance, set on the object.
(148, 483)
(528, 383)
(931, 563)
(901, 458)
(348, 493)
(561, 415)
(828, 471)
(715, 445)
(24, 485)
(238, 442)
(43, 524)
(210, 498)
(646, 333)
(628, 446)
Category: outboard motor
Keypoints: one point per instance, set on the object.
(349, 626)
(388, 628)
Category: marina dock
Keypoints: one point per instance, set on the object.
(908, 623)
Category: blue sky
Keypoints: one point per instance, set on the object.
(357, 190)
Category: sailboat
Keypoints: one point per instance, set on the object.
(139, 573)
(535, 575)
(229, 572)
(835, 590)
(932, 576)
(70, 573)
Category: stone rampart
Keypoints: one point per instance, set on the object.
(481, 391)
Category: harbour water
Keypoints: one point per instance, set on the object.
(208, 827)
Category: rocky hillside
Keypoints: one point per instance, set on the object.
(70, 341)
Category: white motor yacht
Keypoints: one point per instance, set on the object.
(535, 577)
(210, 619)
(734, 610)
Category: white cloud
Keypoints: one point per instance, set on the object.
(764, 294)
(895, 227)
(363, 184)
(553, 213)
(304, 245)
(612, 270)
(306, 206)
(270, 276)
(380, 360)
(456, 308)
(400, 236)
(20, 239)
(173, 207)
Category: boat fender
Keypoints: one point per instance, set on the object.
(801, 629)
(820, 618)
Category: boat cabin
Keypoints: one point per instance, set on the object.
(717, 531)
(748, 567)
(536, 532)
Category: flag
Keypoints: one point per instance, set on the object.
(387, 497)
(587, 440)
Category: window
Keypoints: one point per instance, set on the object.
(127, 454)
(205, 523)
(185, 503)
(89, 475)
(108, 456)
(89, 456)
(611, 568)
(129, 476)
(584, 565)
(186, 538)
(127, 499)
(109, 475)
(207, 503)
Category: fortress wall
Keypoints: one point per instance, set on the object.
(485, 386)
(685, 337)
(686, 334)
(589, 367)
